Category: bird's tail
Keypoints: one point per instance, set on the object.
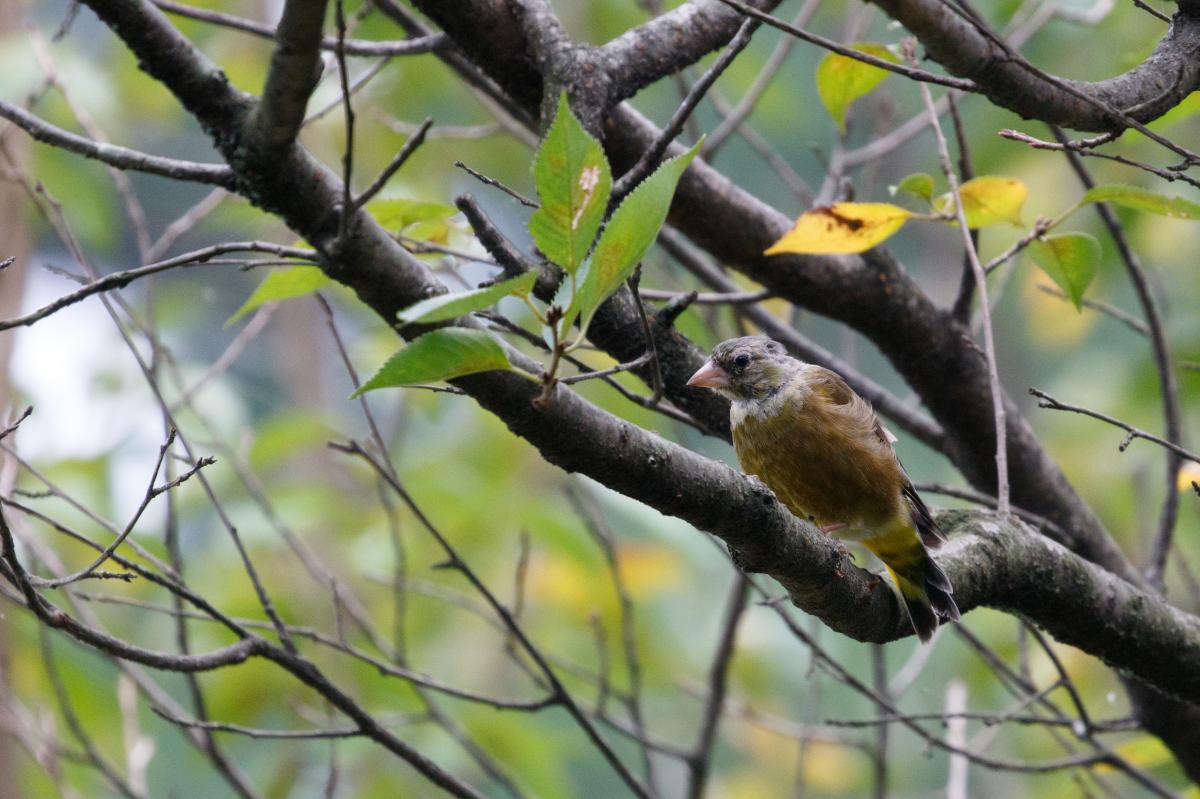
(924, 587)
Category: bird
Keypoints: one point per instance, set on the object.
(800, 429)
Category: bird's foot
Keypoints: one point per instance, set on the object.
(833, 528)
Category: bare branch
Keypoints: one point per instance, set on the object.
(998, 410)
(649, 160)
(1167, 383)
(841, 49)
(410, 147)
(1144, 93)
(117, 280)
(700, 758)
(114, 155)
(1047, 401)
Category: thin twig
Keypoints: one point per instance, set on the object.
(713, 298)
(516, 195)
(410, 146)
(841, 49)
(1047, 401)
(1084, 148)
(348, 204)
(656, 379)
(998, 410)
(745, 104)
(1160, 547)
(700, 759)
(118, 280)
(650, 158)
(599, 530)
(1125, 318)
(560, 693)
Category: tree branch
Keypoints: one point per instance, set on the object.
(293, 74)
(114, 155)
(358, 47)
(1140, 95)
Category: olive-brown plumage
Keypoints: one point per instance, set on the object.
(819, 446)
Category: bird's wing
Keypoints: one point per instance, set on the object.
(932, 535)
(833, 388)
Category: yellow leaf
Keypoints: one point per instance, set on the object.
(988, 200)
(842, 228)
(1188, 474)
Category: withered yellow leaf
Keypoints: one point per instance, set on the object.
(842, 228)
(988, 200)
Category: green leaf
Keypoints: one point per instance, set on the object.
(918, 184)
(841, 79)
(1070, 260)
(630, 232)
(450, 306)
(573, 182)
(439, 355)
(282, 284)
(1142, 200)
(397, 214)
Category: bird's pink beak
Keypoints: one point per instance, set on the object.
(709, 376)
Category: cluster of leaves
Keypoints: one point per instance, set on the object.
(1069, 259)
(574, 184)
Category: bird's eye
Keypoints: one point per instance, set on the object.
(742, 361)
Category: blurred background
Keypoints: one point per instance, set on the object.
(265, 394)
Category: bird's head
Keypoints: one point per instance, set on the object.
(747, 368)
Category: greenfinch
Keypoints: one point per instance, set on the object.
(819, 446)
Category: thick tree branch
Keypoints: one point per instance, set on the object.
(668, 43)
(293, 74)
(1144, 93)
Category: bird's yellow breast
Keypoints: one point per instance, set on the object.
(822, 459)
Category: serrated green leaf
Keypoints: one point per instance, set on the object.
(841, 79)
(440, 354)
(282, 284)
(1142, 200)
(630, 232)
(573, 182)
(987, 200)
(918, 184)
(397, 214)
(449, 306)
(1070, 260)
